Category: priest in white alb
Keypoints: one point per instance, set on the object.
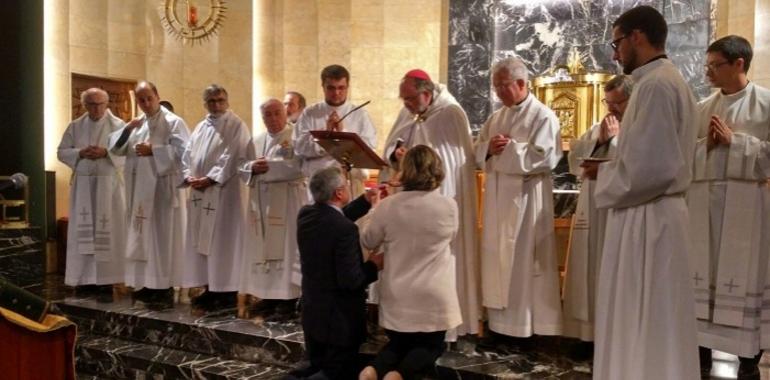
(96, 231)
(644, 326)
(217, 150)
(431, 116)
(589, 223)
(518, 147)
(153, 144)
(728, 210)
(271, 268)
(328, 116)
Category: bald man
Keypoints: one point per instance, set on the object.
(96, 233)
(277, 192)
(153, 144)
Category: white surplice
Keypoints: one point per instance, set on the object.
(445, 128)
(96, 231)
(519, 270)
(270, 256)
(314, 157)
(156, 206)
(731, 225)
(217, 149)
(644, 326)
(586, 242)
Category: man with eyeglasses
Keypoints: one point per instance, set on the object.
(216, 151)
(644, 302)
(431, 116)
(588, 232)
(96, 232)
(327, 115)
(518, 147)
(728, 210)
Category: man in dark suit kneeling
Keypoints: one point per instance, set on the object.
(334, 277)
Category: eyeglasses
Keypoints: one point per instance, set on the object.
(91, 104)
(616, 43)
(611, 103)
(713, 66)
(502, 85)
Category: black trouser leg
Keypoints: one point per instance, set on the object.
(410, 354)
(705, 357)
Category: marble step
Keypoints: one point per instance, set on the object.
(100, 357)
(217, 334)
(280, 344)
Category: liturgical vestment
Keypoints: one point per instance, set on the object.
(586, 242)
(645, 312)
(520, 274)
(271, 259)
(731, 224)
(314, 157)
(445, 128)
(217, 150)
(155, 204)
(96, 231)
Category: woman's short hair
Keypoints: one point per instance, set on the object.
(421, 169)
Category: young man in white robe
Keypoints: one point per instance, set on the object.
(215, 153)
(96, 232)
(589, 222)
(271, 268)
(326, 116)
(728, 210)
(644, 303)
(518, 147)
(153, 145)
(431, 116)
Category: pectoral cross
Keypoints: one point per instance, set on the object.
(104, 221)
(208, 208)
(195, 200)
(139, 219)
(84, 214)
(730, 286)
(697, 279)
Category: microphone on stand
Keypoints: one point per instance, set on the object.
(16, 181)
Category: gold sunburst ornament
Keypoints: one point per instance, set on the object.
(182, 19)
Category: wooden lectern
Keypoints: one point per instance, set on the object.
(349, 150)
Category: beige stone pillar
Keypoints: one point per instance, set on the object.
(760, 67)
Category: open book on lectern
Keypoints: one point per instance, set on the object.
(348, 149)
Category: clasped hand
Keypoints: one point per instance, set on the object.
(333, 122)
(199, 183)
(498, 143)
(259, 166)
(93, 152)
(719, 133)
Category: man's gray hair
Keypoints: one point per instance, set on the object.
(620, 81)
(91, 92)
(212, 90)
(324, 182)
(267, 102)
(514, 66)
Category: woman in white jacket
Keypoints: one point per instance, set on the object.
(418, 298)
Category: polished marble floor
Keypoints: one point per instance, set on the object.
(237, 343)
